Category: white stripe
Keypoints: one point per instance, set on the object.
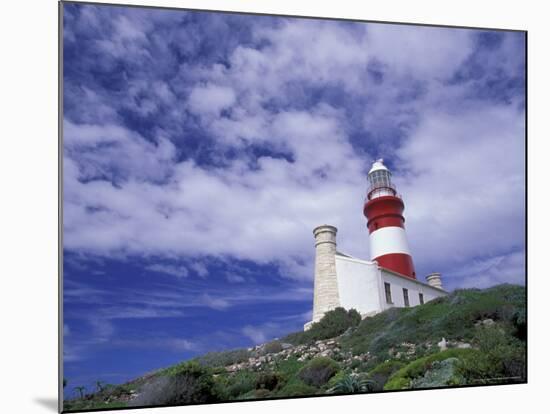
(388, 240)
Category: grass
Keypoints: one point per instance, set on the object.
(451, 317)
(498, 351)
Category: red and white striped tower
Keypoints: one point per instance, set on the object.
(384, 212)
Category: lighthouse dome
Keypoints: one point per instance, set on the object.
(378, 165)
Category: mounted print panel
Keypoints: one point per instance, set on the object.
(260, 207)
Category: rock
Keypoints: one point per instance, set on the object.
(488, 322)
(442, 344)
(463, 345)
(286, 346)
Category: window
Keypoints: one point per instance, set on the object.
(421, 298)
(388, 292)
(406, 297)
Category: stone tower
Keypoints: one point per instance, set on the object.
(434, 279)
(325, 290)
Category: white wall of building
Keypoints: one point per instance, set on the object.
(358, 284)
(397, 283)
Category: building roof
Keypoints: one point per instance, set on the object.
(343, 254)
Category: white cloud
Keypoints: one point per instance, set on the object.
(178, 344)
(464, 185)
(233, 278)
(508, 268)
(211, 99)
(178, 271)
(461, 164)
(423, 52)
(214, 303)
(270, 330)
(200, 269)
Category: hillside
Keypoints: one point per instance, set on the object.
(470, 337)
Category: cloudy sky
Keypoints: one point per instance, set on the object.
(201, 149)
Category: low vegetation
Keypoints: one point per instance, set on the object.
(471, 337)
(333, 324)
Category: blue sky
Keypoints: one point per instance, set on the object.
(201, 149)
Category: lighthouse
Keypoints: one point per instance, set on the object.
(385, 281)
(384, 212)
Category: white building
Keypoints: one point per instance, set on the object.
(388, 279)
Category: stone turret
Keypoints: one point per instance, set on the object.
(325, 291)
(434, 279)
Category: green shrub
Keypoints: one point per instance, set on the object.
(333, 323)
(398, 383)
(318, 371)
(380, 374)
(336, 378)
(350, 384)
(240, 383)
(440, 373)
(402, 378)
(187, 383)
(272, 347)
(289, 367)
(262, 393)
(296, 388)
(501, 358)
(268, 380)
(222, 359)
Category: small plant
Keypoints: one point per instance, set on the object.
(380, 374)
(296, 388)
(500, 358)
(261, 393)
(402, 378)
(333, 323)
(80, 391)
(241, 383)
(350, 384)
(222, 359)
(318, 371)
(268, 380)
(186, 383)
(272, 347)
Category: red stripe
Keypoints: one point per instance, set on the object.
(384, 211)
(385, 221)
(397, 262)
